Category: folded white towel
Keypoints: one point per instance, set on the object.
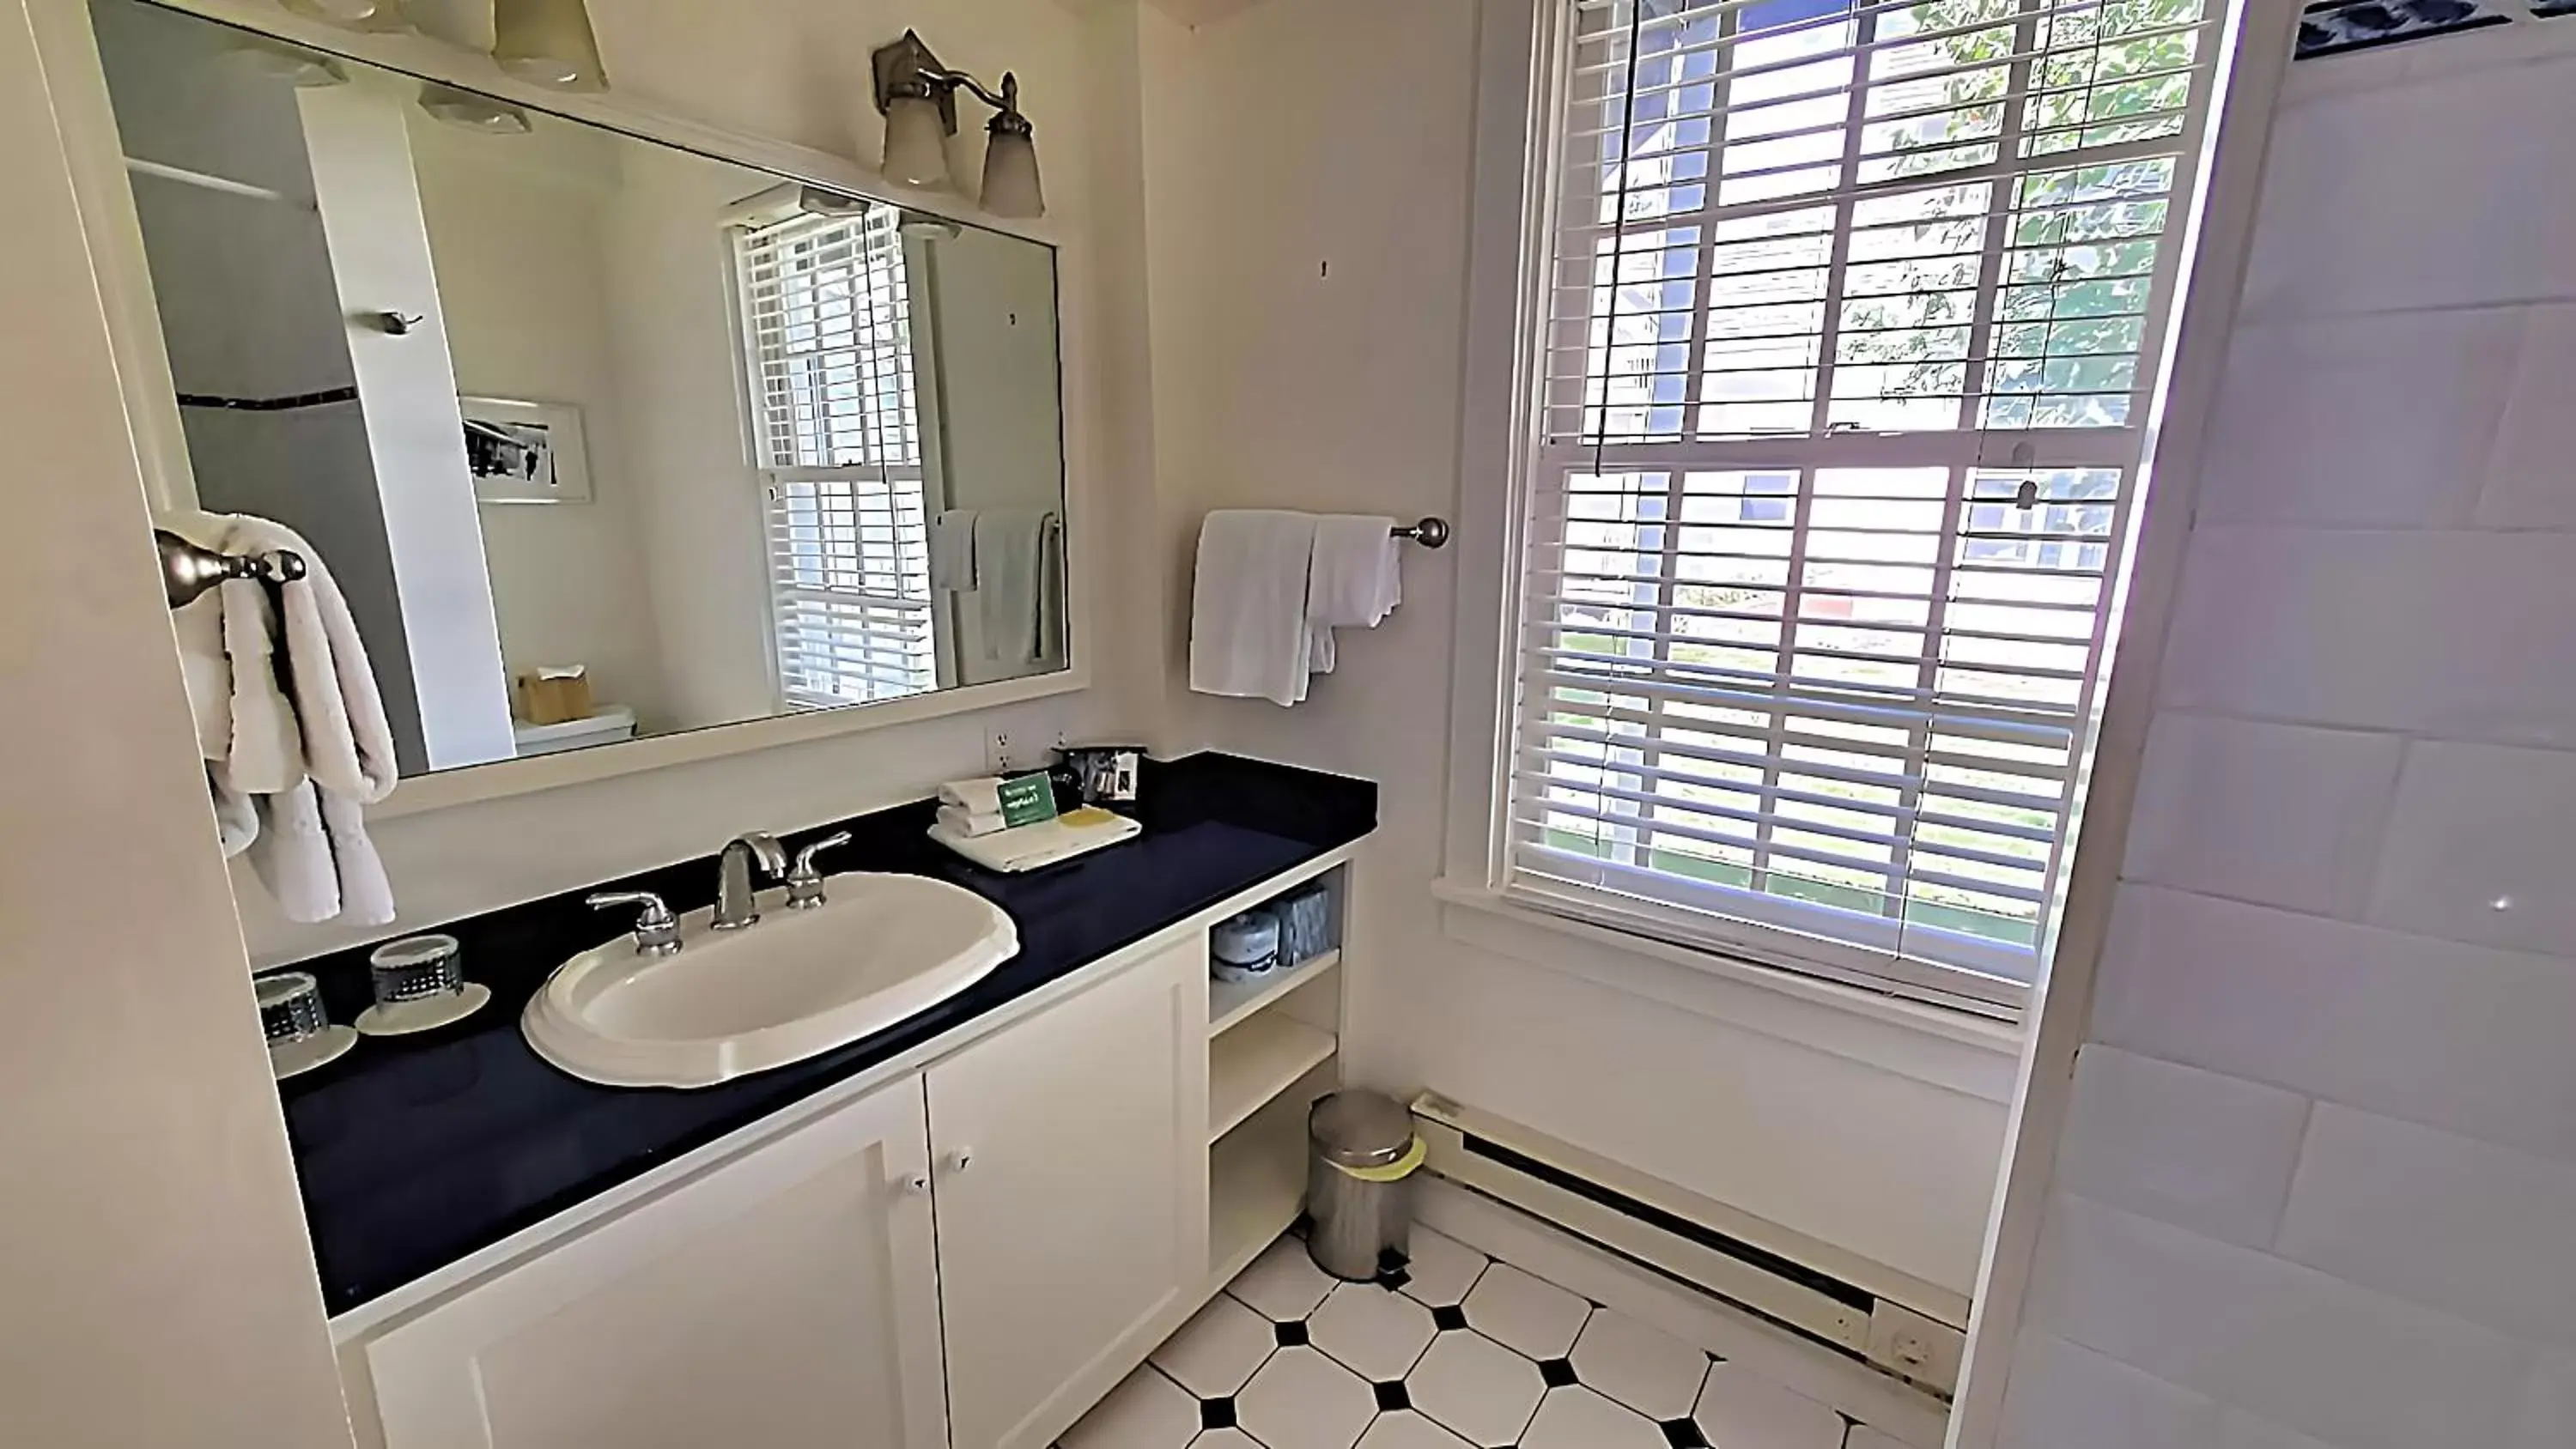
(1010, 583)
(952, 550)
(1353, 583)
(348, 743)
(1248, 605)
(981, 795)
(291, 724)
(969, 823)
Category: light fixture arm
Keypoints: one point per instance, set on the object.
(907, 69)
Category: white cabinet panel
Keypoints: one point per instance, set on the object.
(1071, 1165)
(783, 1299)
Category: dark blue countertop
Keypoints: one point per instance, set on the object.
(415, 1152)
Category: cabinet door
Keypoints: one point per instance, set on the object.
(1070, 1156)
(787, 1298)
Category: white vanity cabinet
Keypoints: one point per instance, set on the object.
(1071, 1163)
(785, 1296)
(969, 1255)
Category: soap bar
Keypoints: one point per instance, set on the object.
(1028, 799)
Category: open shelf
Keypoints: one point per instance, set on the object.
(1231, 1003)
(1256, 1184)
(1256, 1062)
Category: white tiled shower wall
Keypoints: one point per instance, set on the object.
(2319, 1184)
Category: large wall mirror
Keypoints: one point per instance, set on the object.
(601, 439)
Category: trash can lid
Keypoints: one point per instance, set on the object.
(1360, 1129)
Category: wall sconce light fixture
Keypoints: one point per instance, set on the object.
(918, 97)
(384, 17)
(548, 43)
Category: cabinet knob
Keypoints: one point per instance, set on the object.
(959, 1161)
(914, 1184)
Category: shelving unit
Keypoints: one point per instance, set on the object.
(1252, 1065)
(1256, 1184)
(1232, 1003)
(1274, 1047)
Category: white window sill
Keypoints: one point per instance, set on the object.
(1956, 1050)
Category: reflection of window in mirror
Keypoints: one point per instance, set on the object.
(837, 437)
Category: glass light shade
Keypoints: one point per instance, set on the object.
(916, 142)
(473, 112)
(1011, 176)
(339, 12)
(547, 43)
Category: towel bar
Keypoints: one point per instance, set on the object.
(188, 570)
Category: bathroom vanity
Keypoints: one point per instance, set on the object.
(960, 1231)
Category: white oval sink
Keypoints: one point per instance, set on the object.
(795, 985)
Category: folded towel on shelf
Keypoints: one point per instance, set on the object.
(1354, 582)
(981, 795)
(969, 823)
(1012, 566)
(952, 550)
(1248, 629)
(291, 725)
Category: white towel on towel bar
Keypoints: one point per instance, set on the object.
(952, 550)
(1353, 583)
(291, 724)
(1248, 634)
(1013, 603)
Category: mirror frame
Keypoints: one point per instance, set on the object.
(68, 47)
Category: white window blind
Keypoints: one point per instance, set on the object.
(1852, 314)
(837, 432)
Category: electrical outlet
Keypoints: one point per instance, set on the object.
(998, 744)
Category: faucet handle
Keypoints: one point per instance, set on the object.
(657, 931)
(804, 881)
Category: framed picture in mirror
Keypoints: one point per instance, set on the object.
(525, 452)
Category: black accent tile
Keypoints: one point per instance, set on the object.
(1558, 1372)
(1684, 1434)
(1449, 1318)
(1392, 1397)
(1290, 1335)
(1216, 1413)
(1392, 1279)
(1391, 1261)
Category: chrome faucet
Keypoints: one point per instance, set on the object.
(735, 907)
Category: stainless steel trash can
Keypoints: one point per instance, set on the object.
(1363, 1149)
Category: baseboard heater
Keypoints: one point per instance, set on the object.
(1907, 1327)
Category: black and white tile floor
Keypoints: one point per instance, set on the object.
(1452, 1350)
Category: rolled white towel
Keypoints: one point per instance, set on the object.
(971, 823)
(979, 796)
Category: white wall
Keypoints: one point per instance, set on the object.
(518, 230)
(158, 1287)
(791, 69)
(2317, 1183)
(1309, 201)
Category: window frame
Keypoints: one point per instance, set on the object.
(1519, 156)
(785, 594)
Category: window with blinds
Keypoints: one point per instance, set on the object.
(1850, 322)
(836, 431)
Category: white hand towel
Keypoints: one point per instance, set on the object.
(348, 744)
(292, 854)
(981, 795)
(1354, 582)
(1010, 577)
(952, 550)
(1248, 635)
(969, 823)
